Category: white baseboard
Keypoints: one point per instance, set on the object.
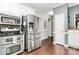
(54, 42)
(66, 46)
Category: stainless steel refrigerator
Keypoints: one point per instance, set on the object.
(30, 26)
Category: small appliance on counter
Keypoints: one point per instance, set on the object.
(11, 37)
(30, 26)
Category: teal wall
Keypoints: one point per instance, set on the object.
(69, 11)
(72, 10)
(61, 9)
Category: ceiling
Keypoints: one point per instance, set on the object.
(44, 7)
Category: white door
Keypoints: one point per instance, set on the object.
(49, 27)
(59, 28)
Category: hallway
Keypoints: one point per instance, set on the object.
(48, 48)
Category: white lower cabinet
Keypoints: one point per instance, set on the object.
(59, 38)
(73, 40)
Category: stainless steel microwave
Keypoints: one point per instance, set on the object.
(8, 19)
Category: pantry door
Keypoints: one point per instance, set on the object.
(59, 28)
(61, 24)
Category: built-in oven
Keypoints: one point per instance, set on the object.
(6, 40)
(11, 44)
(10, 39)
(12, 49)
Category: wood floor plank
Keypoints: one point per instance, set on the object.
(48, 48)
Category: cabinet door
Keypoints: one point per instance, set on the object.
(73, 40)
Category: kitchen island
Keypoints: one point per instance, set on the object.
(73, 38)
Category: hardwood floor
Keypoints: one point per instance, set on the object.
(48, 48)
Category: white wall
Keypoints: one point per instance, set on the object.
(44, 17)
(45, 31)
(15, 9)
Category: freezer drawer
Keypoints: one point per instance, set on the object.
(30, 45)
(37, 42)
